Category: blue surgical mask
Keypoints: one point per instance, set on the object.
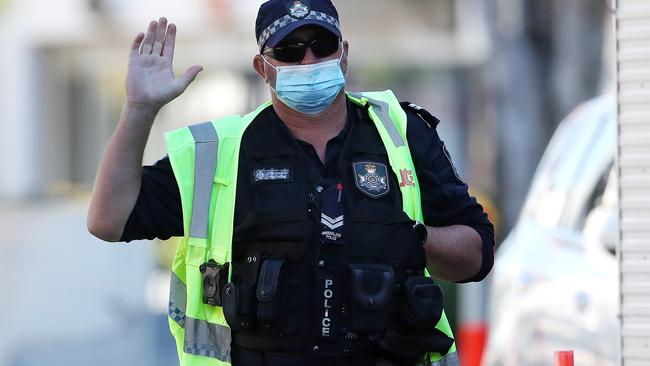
(311, 88)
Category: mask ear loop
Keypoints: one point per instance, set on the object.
(276, 70)
(341, 60)
(268, 63)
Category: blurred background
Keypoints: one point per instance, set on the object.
(505, 77)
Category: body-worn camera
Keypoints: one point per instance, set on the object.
(215, 277)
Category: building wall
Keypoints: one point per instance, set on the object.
(633, 73)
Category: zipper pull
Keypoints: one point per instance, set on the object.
(310, 195)
(339, 186)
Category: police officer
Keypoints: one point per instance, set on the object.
(307, 224)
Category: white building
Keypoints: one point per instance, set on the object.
(633, 73)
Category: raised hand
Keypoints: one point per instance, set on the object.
(150, 81)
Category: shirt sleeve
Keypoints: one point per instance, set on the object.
(445, 197)
(157, 212)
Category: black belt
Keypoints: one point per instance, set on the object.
(247, 358)
(279, 344)
(305, 345)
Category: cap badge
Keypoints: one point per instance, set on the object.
(299, 9)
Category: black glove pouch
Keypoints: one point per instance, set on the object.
(269, 297)
(420, 307)
(371, 287)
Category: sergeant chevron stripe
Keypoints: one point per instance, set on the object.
(330, 222)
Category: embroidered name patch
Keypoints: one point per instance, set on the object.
(272, 175)
(371, 178)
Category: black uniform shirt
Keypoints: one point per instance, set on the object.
(445, 200)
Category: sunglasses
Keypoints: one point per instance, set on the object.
(295, 51)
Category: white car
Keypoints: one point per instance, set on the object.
(554, 282)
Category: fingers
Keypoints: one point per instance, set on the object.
(189, 76)
(170, 41)
(135, 46)
(150, 37)
(160, 37)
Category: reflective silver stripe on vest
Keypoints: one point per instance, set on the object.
(207, 339)
(381, 108)
(177, 300)
(201, 338)
(205, 163)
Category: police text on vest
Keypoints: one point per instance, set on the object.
(328, 293)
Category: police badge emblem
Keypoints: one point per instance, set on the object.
(299, 9)
(371, 178)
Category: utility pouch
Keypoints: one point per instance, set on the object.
(214, 278)
(248, 286)
(420, 307)
(415, 344)
(239, 305)
(231, 305)
(371, 287)
(269, 299)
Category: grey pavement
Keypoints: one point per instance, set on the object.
(67, 298)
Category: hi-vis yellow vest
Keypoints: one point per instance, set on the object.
(205, 158)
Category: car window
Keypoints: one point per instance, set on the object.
(576, 159)
(602, 221)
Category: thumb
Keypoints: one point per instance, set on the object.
(189, 76)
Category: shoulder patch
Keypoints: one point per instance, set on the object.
(427, 117)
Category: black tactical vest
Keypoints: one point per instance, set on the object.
(311, 285)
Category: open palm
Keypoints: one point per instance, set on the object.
(150, 78)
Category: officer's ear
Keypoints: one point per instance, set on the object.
(260, 68)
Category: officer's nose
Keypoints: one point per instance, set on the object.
(309, 58)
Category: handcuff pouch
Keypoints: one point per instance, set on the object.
(371, 287)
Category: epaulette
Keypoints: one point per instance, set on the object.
(427, 117)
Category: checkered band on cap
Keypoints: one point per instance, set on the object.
(287, 19)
